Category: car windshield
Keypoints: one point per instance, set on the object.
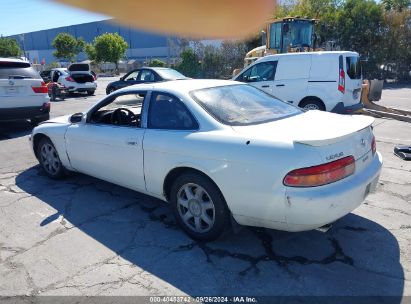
(170, 74)
(241, 105)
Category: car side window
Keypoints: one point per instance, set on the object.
(168, 112)
(123, 110)
(263, 71)
(146, 75)
(132, 76)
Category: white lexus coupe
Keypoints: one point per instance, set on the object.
(216, 149)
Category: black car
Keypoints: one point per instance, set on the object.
(144, 75)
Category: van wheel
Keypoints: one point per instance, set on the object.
(312, 104)
(199, 207)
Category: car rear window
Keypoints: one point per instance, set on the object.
(353, 67)
(241, 105)
(10, 69)
(170, 74)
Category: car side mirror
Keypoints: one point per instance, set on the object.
(76, 118)
(122, 78)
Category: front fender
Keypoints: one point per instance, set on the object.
(56, 133)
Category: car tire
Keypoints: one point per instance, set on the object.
(312, 104)
(199, 207)
(90, 93)
(49, 159)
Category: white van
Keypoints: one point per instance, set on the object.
(328, 81)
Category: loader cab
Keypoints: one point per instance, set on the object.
(292, 34)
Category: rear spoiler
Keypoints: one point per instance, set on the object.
(358, 123)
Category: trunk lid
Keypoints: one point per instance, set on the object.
(79, 67)
(333, 136)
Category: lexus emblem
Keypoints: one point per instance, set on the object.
(11, 82)
(363, 142)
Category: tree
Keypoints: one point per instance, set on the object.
(190, 65)
(233, 53)
(212, 63)
(360, 29)
(397, 5)
(9, 47)
(67, 47)
(157, 63)
(90, 51)
(109, 47)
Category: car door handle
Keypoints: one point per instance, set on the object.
(265, 86)
(280, 85)
(132, 142)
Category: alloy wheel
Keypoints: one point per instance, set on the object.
(50, 159)
(195, 208)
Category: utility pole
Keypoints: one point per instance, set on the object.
(24, 47)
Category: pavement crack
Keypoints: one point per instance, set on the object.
(266, 240)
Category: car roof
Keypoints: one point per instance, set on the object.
(183, 86)
(12, 59)
(300, 54)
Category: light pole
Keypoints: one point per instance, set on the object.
(24, 47)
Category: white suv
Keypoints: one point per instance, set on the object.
(77, 78)
(23, 93)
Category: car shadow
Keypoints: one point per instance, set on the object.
(14, 129)
(76, 96)
(357, 257)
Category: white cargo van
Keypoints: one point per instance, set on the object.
(328, 81)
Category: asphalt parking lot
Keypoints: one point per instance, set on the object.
(83, 236)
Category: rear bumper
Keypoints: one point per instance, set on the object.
(24, 112)
(310, 208)
(82, 88)
(341, 109)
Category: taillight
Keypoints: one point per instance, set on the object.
(373, 145)
(95, 78)
(41, 89)
(69, 78)
(341, 75)
(321, 174)
(341, 81)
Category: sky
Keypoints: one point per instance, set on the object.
(22, 16)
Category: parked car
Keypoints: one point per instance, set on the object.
(23, 93)
(215, 148)
(143, 75)
(327, 81)
(77, 78)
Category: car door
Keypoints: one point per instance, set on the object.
(291, 78)
(169, 126)
(107, 149)
(260, 75)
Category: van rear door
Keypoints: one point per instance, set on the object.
(353, 78)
